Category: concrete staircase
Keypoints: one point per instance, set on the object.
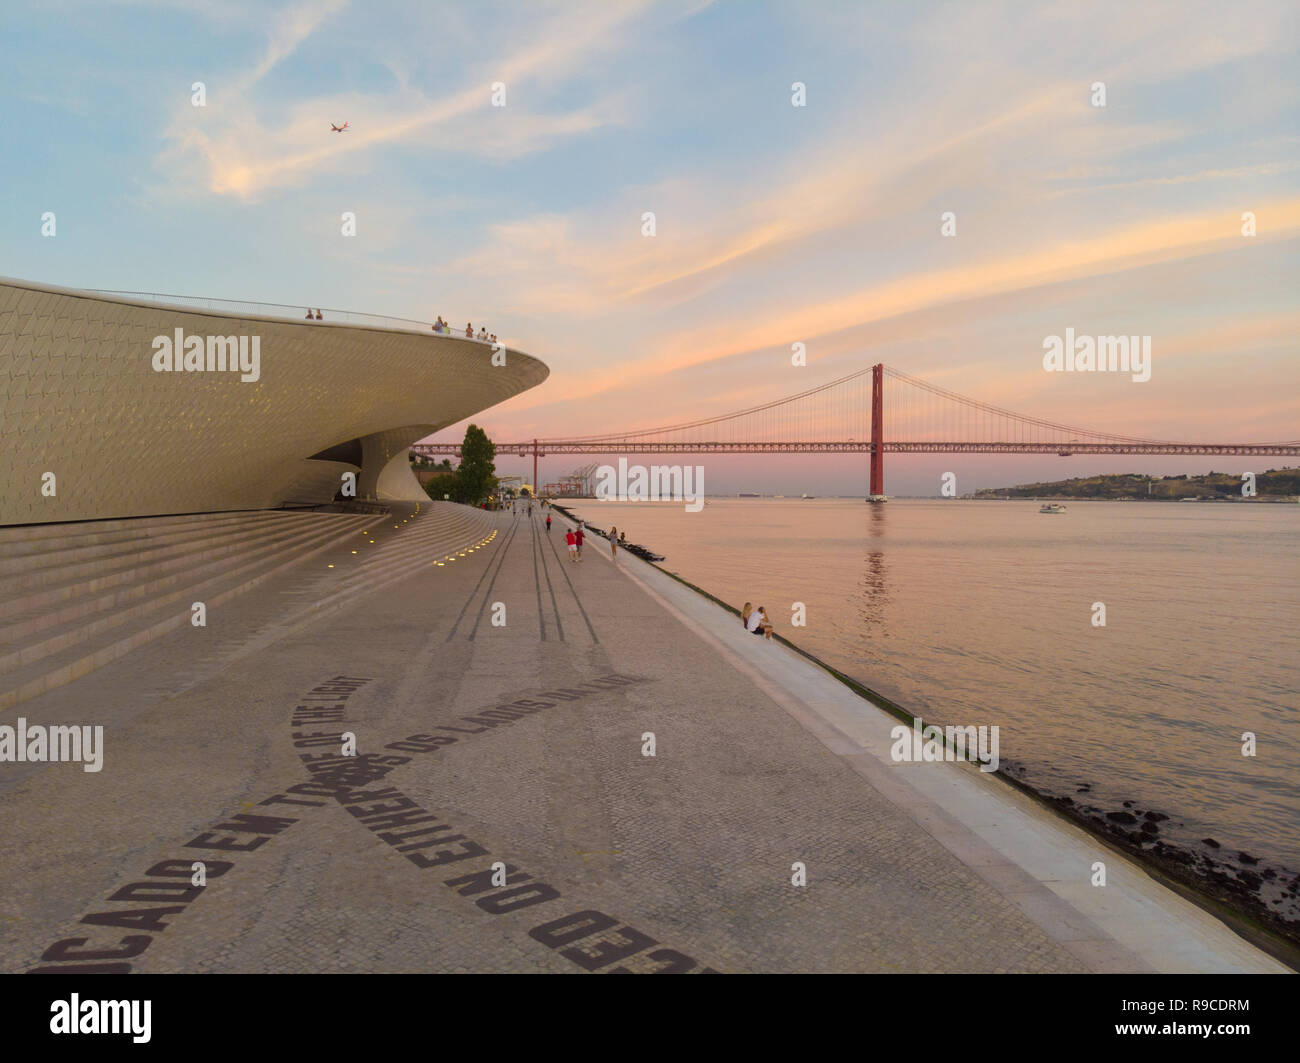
(74, 597)
(436, 533)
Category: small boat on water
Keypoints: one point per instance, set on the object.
(1052, 507)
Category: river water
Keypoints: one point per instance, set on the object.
(981, 612)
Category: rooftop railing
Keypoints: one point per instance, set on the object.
(286, 311)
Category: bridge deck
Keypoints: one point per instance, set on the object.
(544, 448)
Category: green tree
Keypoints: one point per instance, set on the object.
(445, 484)
(477, 473)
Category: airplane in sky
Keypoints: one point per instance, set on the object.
(338, 128)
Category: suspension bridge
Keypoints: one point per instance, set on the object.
(850, 414)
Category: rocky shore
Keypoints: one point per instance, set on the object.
(1268, 894)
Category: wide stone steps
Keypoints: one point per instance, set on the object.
(63, 627)
(439, 531)
(102, 561)
(29, 556)
(150, 582)
(335, 580)
(46, 538)
(53, 631)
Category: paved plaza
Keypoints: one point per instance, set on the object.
(502, 703)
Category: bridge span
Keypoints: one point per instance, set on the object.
(849, 416)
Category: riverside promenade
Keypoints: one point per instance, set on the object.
(502, 703)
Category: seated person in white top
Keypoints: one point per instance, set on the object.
(758, 623)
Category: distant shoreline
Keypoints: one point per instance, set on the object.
(1271, 485)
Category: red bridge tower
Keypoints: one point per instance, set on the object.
(877, 435)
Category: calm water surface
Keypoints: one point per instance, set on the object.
(981, 613)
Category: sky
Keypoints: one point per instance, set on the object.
(774, 224)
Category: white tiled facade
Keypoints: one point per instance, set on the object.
(79, 398)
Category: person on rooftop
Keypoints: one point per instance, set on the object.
(309, 313)
(469, 330)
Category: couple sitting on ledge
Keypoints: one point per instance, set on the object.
(756, 621)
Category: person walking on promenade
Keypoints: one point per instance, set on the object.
(613, 544)
(548, 524)
(578, 536)
(572, 540)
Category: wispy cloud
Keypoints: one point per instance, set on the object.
(289, 29)
(1119, 249)
(1268, 169)
(238, 152)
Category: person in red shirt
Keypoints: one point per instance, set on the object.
(548, 524)
(578, 537)
(572, 540)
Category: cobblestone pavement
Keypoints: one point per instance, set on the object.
(681, 860)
